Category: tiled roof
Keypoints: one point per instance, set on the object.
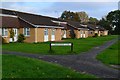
(32, 18)
(75, 24)
(9, 22)
(96, 27)
(28, 19)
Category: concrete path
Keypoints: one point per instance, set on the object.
(85, 62)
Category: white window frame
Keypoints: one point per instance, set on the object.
(53, 31)
(4, 32)
(46, 31)
(25, 31)
(1, 31)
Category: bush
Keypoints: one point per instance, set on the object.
(21, 38)
(12, 34)
(96, 35)
(72, 34)
(3, 40)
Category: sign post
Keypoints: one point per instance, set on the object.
(61, 44)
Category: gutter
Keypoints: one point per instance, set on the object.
(43, 26)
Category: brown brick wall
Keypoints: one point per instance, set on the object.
(40, 34)
(86, 33)
(77, 33)
(106, 32)
(39, 37)
(91, 33)
(58, 35)
(49, 34)
(30, 38)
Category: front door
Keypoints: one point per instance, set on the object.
(81, 34)
(84, 34)
(64, 36)
(53, 35)
(46, 35)
(15, 30)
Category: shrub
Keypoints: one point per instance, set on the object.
(3, 40)
(96, 35)
(21, 38)
(12, 34)
(72, 34)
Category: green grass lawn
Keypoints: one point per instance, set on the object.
(80, 45)
(23, 67)
(110, 55)
(0, 66)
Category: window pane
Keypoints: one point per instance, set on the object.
(24, 31)
(46, 32)
(28, 33)
(6, 33)
(2, 32)
(53, 32)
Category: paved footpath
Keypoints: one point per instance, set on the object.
(85, 62)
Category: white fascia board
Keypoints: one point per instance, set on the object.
(82, 29)
(48, 26)
(83, 25)
(59, 22)
(8, 15)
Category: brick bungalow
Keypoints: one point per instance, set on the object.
(72, 28)
(91, 31)
(36, 28)
(80, 30)
(97, 29)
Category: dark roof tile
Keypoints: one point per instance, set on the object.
(32, 18)
(10, 22)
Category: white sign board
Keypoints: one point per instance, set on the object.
(61, 44)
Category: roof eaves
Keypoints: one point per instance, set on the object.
(58, 22)
(72, 26)
(49, 26)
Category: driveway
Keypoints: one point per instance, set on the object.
(85, 62)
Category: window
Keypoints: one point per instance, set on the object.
(46, 31)
(53, 31)
(4, 32)
(80, 32)
(91, 32)
(0, 31)
(27, 31)
(83, 32)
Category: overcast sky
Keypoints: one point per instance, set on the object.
(55, 9)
